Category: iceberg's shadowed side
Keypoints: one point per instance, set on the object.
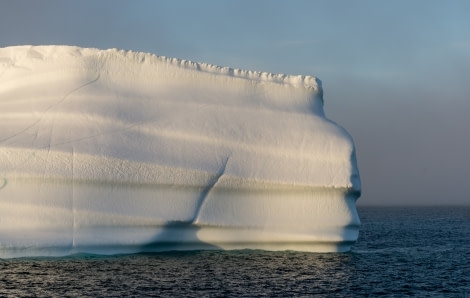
(121, 152)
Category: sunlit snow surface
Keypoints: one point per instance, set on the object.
(121, 152)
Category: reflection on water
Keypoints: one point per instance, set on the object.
(180, 273)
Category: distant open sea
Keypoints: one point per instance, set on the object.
(401, 251)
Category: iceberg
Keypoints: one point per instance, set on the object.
(113, 151)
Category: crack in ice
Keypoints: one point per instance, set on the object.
(4, 183)
(73, 199)
(50, 108)
(205, 192)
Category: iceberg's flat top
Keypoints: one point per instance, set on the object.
(112, 109)
(16, 55)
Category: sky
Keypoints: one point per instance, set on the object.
(396, 74)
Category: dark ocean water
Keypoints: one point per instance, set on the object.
(406, 251)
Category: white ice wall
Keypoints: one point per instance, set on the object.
(92, 139)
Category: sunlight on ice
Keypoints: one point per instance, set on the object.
(108, 151)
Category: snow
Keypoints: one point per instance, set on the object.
(109, 151)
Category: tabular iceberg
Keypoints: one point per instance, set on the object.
(108, 151)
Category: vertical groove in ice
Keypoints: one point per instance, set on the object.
(206, 191)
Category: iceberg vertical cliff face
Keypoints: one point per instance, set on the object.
(120, 152)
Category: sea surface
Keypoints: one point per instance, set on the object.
(401, 251)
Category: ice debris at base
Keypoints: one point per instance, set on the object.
(108, 151)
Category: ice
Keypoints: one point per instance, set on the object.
(110, 151)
